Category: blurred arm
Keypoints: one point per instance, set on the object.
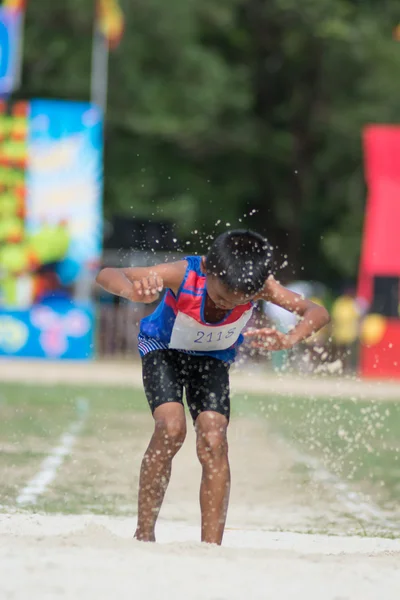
(313, 316)
(142, 284)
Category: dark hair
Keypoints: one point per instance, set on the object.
(241, 259)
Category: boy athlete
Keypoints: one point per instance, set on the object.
(188, 343)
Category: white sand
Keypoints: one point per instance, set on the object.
(88, 557)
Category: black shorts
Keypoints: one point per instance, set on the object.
(166, 373)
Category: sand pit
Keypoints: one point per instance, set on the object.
(93, 557)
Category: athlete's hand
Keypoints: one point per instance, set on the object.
(269, 339)
(146, 290)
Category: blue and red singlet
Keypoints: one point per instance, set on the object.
(178, 322)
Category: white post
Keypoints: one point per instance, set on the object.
(99, 74)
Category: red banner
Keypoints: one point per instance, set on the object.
(381, 241)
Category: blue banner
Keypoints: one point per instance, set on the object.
(64, 182)
(60, 329)
(51, 238)
(10, 31)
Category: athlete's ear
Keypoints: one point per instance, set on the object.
(203, 264)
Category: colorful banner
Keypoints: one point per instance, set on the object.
(10, 32)
(15, 255)
(64, 183)
(59, 330)
(50, 220)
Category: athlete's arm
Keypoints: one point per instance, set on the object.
(142, 284)
(312, 317)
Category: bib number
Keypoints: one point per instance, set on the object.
(215, 336)
(189, 334)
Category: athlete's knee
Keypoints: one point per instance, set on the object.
(212, 443)
(171, 432)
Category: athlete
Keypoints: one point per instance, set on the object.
(188, 343)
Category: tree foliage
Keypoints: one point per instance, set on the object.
(219, 110)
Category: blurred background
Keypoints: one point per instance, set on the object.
(134, 132)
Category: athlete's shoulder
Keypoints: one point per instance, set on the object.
(194, 264)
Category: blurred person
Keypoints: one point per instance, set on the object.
(285, 320)
(346, 316)
(189, 343)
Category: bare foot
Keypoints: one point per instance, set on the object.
(142, 537)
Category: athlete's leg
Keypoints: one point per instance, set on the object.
(164, 393)
(207, 392)
(212, 450)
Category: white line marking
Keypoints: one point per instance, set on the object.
(355, 503)
(38, 484)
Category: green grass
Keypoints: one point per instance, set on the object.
(32, 419)
(356, 440)
(63, 397)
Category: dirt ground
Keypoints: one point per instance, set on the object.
(244, 379)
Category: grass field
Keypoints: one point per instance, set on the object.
(357, 442)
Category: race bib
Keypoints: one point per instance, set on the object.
(188, 334)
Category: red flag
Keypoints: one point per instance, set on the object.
(110, 20)
(15, 5)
